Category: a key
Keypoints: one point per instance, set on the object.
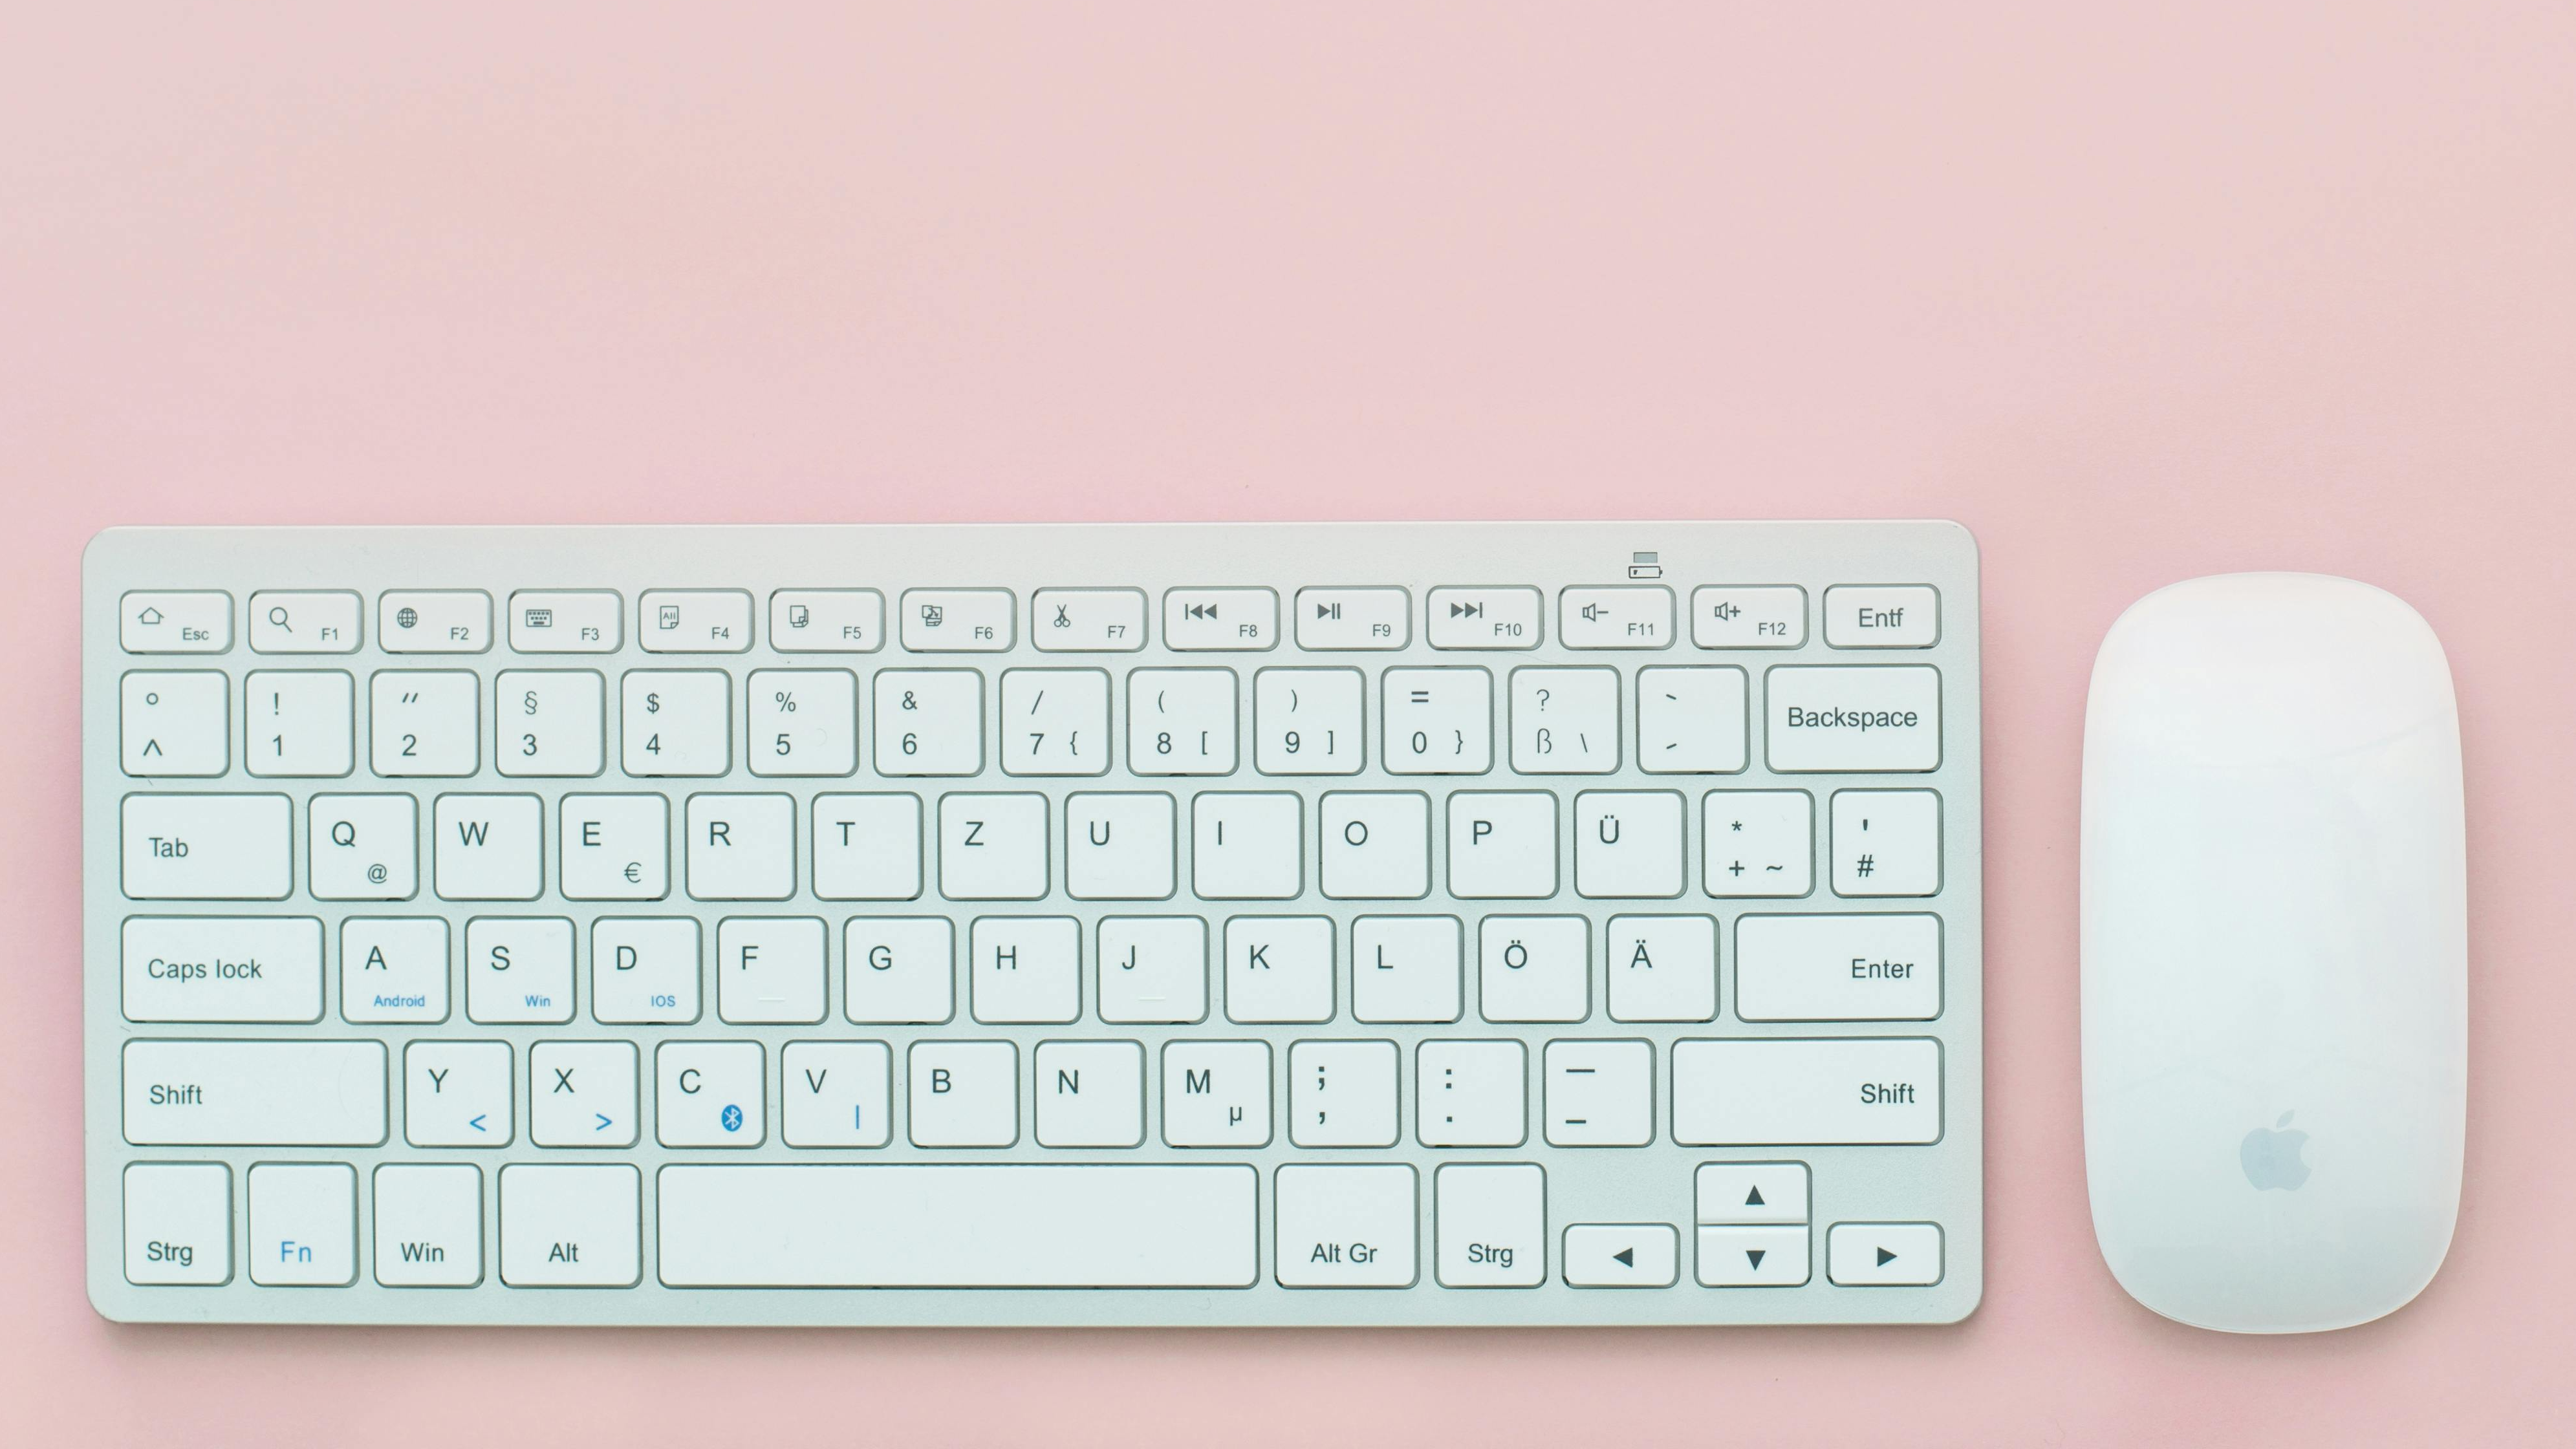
(972, 621)
(206, 847)
(833, 1094)
(159, 621)
(1377, 844)
(1886, 842)
(255, 1093)
(1490, 1225)
(1741, 1257)
(1088, 620)
(393, 969)
(548, 722)
(1090, 1094)
(899, 970)
(993, 847)
(174, 724)
(363, 847)
(1617, 616)
(1565, 721)
(571, 1227)
(303, 1224)
(769, 970)
(1766, 616)
(826, 621)
(1471, 1094)
(178, 1222)
(429, 1225)
(1757, 842)
(423, 722)
(644, 970)
(1025, 969)
(565, 621)
(614, 848)
(1788, 1092)
(928, 721)
(741, 847)
(1119, 847)
(1485, 618)
(1852, 718)
(803, 722)
(457, 1094)
(1502, 844)
(1662, 968)
(1180, 721)
(518, 969)
(581, 1094)
(1600, 1093)
(964, 1094)
(1882, 616)
(1055, 722)
(1152, 969)
(709, 1094)
(1307, 721)
(1247, 846)
(1405, 968)
(1875, 967)
(434, 621)
(1691, 720)
(867, 847)
(675, 722)
(694, 621)
(1236, 618)
(488, 847)
(1437, 721)
(1216, 1094)
(1534, 968)
(1346, 1227)
(222, 968)
(1279, 968)
(1628, 844)
(298, 722)
(1342, 1094)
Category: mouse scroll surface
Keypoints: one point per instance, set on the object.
(2274, 952)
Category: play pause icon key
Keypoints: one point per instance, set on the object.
(1354, 618)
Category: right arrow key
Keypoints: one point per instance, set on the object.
(1883, 1255)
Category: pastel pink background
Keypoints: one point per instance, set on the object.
(2222, 287)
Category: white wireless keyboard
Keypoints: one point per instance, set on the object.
(1240, 923)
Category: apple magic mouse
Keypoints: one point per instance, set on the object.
(2274, 952)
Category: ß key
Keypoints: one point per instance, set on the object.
(1263, 925)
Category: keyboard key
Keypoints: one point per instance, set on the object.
(1691, 720)
(867, 847)
(615, 848)
(1860, 718)
(1877, 967)
(1749, 617)
(207, 847)
(694, 621)
(174, 724)
(1342, 1094)
(1220, 619)
(393, 970)
(1216, 1093)
(1887, 842)
(992, 847)
(741, 847)
(1346, 1227)
(255, 1093)
(429, 1226)
(964, 1094)
(1180, 722)
(1882, 616)
(1405, 968)
(1090, 1094)
(363, 847)
(1491, 1225)
(826, 621)
(566, 621)
(571, 1227)
(424, 723)
(222, 968)
(1055, 722)
(675, 722)
(803, 722)
(298, 722)
(1307, 722)
(581, 1094)
(644, 970)
(488, 847)
(900, 970)
(929, 721)
(1600, 1093)
(1751, 1192)
(1883, 1255)
(304, 623)
(170, 622)
(1785, 1092)
(1362, 618)
(458, 1094)
(1247, 847)
(1485, 618)
(1628, 844)
(1662, 968)
(1438, 721)
(434, 621)
(1758, 842)
(1619, 616)
(1119, 847)
(1088, 620)
(1471, 1094)
(1377, 844)
(178, 1222)
(967, 621)
(1025, 969)
(1502, 844)
(833, 1094)
(549, 722)
(1279, 969)
(1733, 1257)
(1565, 721)
(303, 1225)
(1535, 968)
(770, 970)
(1621, 1255)
(518, 969)
(959, 1226)
(1152, 969)
(710, 1094)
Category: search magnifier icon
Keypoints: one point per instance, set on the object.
(344, 833)
(277, 616)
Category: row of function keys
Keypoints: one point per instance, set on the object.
(1165, 1226)
(985, 620)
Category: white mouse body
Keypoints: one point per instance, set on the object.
(2274, 952)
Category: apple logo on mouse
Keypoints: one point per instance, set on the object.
(2271, 1156)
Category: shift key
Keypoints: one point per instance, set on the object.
(255, 1093)
(208, 847)
(1783, 1091)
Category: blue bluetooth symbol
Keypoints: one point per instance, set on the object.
(731, 1118)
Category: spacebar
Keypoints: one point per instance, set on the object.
(959, 1227)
